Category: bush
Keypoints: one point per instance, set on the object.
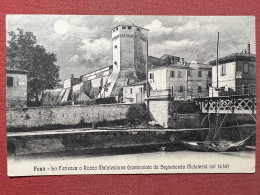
(137, 113)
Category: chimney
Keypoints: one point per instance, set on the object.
(182, 61)
(248, 48)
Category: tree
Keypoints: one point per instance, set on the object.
(23, 53)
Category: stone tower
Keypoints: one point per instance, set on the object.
(129, 44)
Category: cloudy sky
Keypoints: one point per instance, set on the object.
(83, 43)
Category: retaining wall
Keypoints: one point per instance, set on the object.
(64, 115)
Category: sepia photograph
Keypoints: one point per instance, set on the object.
(130, 94)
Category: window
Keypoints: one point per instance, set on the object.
(129, 27)
(246, 68)
(115, 46)
(172, 74)
(138, 29)
(131, 91)
(181, 88)
(141, 89)
(151, 75)
(189, 73)
(113, 30)
(223, 70)
(199, 89)
(116, 28)
(123, 27)
(210, 74)
(10, 82)
(179, 74)
(115, 62)
(199, 73)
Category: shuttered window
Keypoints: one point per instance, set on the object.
(10, 81)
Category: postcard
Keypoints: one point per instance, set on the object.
(126, 94)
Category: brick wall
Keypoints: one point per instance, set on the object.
(64, 115)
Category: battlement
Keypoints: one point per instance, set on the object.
(127, 29)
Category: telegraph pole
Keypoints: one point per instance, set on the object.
(217, 58)
(147, 78)
(147, 83)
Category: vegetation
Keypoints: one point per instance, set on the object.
(137, 114)
(22, 52)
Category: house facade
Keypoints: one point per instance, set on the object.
(135, 93)
(185, 80)
(235, 74)
(16, 87)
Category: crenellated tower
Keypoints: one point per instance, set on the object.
(130, 44)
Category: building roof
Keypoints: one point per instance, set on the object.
(234, 57)
(200, 65)
(143, 82)
(130, 25)
(16, 70)
(165, 56)
(155, 62)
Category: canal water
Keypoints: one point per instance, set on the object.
(151, 162)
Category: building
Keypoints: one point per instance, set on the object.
(134, 93)
(235, 74)
(185, 80)
(128, 71)
(199, 79)
(16, 87)
(130, 56)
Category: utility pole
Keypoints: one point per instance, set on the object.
(217, 58)
(147, 82)
(187, 84)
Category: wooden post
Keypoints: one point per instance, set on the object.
(217, 59)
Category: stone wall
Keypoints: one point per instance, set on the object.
(159, 111)
(97, 140)
(64, 115)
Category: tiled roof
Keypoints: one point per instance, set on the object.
(234, 57)
(16, 70)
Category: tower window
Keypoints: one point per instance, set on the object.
(115, 46)
(123, 27)
(129, 27)
(10, 81)
(131, 91)
(115, 62)
(116, 28)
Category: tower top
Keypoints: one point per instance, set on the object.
(127, 27)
